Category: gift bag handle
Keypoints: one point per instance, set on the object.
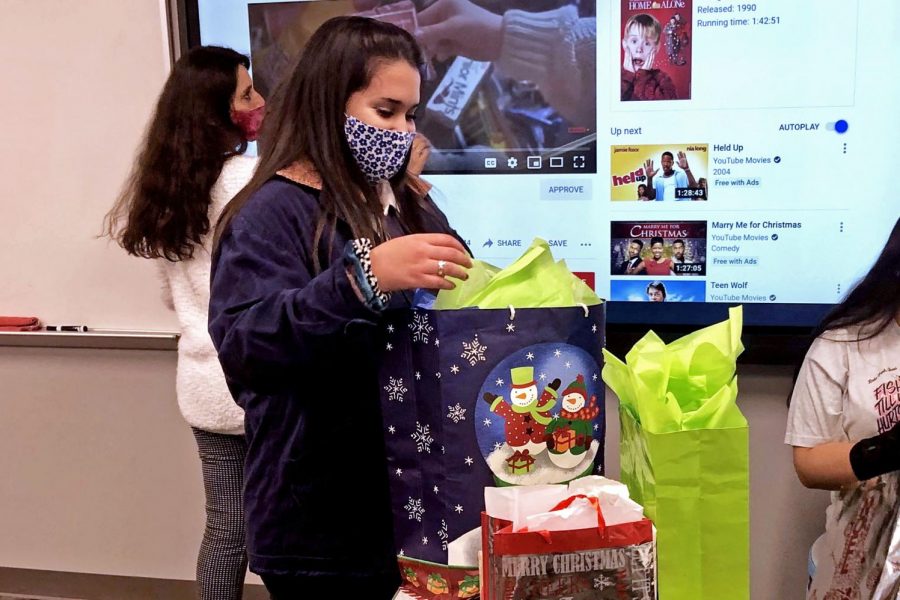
(601, 522)
(584, 307)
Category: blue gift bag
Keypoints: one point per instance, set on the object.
(484, 397)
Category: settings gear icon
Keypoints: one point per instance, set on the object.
(512, 163)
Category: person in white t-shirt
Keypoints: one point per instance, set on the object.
(844, 418)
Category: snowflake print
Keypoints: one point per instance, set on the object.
(473, 351)
(594, 329)
(469, 461)
(422, 437)
(458, 508)
(436, 490)
(391, 429)
(510, 328)
(499, 382)
(442, 535)
(401, 553)
(418, 376)
(390, 329)
(424, 541)
(414, 509)
(454, 369)
(399, 472)
(557, 353)
(389, 347)
(437, 342)
(594, 377)
(395, 389)
(497, 445)
(568, 365)
(530, 356)
(543, 376)
(421, 328)
(457, 413)
(603, 582)
(487, 422)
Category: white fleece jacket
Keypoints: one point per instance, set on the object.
(203, 397)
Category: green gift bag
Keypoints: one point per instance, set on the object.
(685, 457)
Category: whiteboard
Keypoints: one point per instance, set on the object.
(81, 80)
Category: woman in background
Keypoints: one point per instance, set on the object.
(844, 415)
(189, 167)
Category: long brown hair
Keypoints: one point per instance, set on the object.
(305, 120)
(162, 211)
(874, 301)
(872, 304)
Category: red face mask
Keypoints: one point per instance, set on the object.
(249, 121)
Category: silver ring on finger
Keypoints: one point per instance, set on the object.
(440, 269)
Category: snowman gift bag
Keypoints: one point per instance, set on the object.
(496, 384)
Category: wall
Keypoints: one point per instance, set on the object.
(80, 80)
(99, 471)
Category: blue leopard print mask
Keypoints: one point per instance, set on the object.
(380, 153)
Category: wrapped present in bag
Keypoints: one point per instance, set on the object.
(591, 545)
(684, 452)
(470, 391)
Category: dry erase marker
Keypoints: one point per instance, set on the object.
(76, 328)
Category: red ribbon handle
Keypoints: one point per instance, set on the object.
(601, 522)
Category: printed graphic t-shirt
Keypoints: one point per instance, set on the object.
(847, 390)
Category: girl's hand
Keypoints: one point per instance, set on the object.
(422, 260)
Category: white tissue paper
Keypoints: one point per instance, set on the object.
(530, 506)
(613, 496)
(516, 503)
(463, 551)
(581, 514)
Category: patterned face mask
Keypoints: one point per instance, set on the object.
(380, 153)
(249, 121)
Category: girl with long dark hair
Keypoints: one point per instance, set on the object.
(190, 165)
(331, 231)
(844, 420)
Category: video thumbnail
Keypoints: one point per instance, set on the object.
(658, 249)
(507, 91)
(656, 50)
(660, 290)
(659, 172)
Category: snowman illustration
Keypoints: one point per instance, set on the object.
(569, 436)
(526, 414)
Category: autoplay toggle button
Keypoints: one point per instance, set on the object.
(839, 126)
